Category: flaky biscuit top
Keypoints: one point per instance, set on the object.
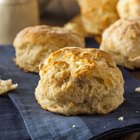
(76, 63)
(43, 34)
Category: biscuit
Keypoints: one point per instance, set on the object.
(76, 26)
(34, 44)
(6, 86)
(79, 81)
(97, 15)
(128, 8)
(122, 41)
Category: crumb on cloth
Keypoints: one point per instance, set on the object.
(6, 86)
(73, 126)
(137, 89)
(121, 118)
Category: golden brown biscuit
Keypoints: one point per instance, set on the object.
(34, 44)
(80, 81)
(122, 41)
(97, 15)
(76, 26)
(6, 86)
(128, 8)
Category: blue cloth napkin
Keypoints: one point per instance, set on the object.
(44, 125)
(12, 126)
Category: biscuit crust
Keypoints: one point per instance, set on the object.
(79, 81)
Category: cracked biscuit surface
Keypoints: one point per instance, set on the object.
(79, 81)
(34, 44)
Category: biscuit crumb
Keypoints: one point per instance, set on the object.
(76, 66)
(73, 126)
(120, 118)
(137, 89)
(6, 86)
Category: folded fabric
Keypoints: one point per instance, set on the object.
(12, 126)
(44, 125)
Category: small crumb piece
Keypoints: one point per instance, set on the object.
(137, 89)
(104, 127)
(120, 118)
(137, 111)
(6, 86)
(57, 125)
(73, 126)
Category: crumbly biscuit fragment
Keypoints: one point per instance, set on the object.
(6, 86)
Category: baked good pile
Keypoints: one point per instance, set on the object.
(75, 79)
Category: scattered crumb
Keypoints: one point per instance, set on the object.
(137, 89)
(6, 86)
(57, 125)
(73, 126)
(120, 118)
(104, 127)
(137, 111)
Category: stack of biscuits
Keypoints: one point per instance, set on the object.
(73, 79)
